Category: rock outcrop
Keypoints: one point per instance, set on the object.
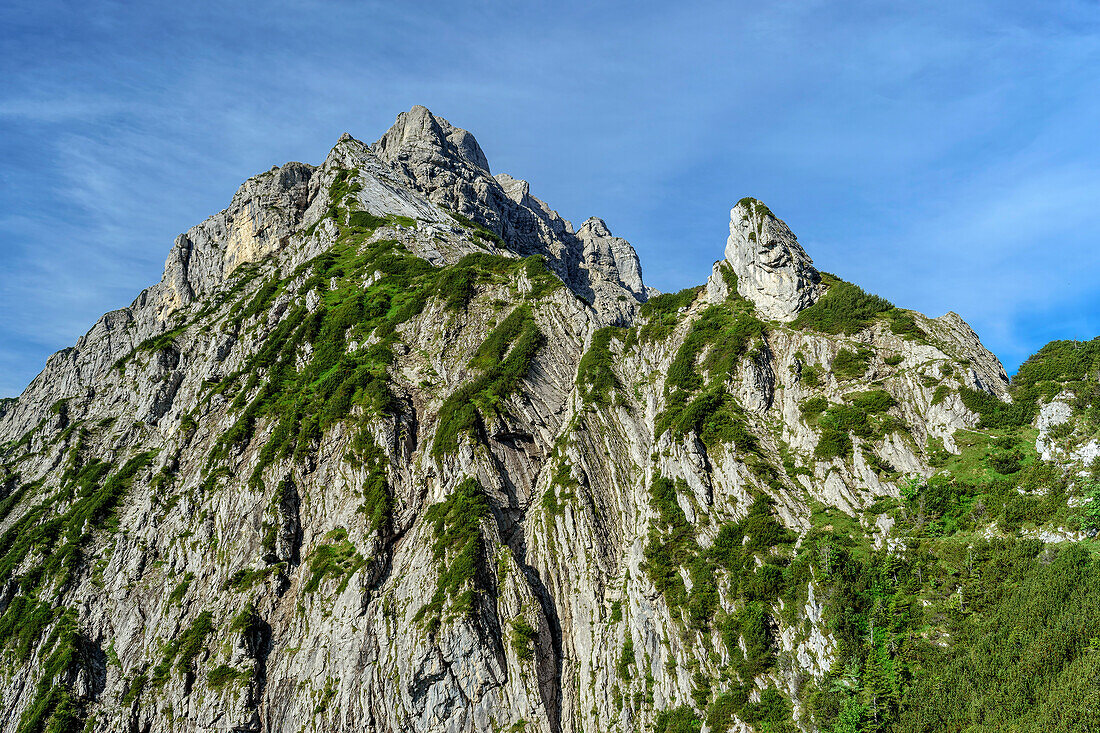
(393, 447)
(772, 269)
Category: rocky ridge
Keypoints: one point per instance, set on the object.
(393, 446)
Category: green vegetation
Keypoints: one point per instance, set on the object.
(626, 658)
(596, 377)
(562, 489)
(58, 536)
(844, 308)
(134, 688)
(904, 324)
(680, 719)
(756, 207)
(718, 339)
(993, 479)
(811, 375)
(863, 415)
(523, 639)
(849, 365)
(662, 313)
(1060, 366)
(725, 334)
(1019, 631)
(180, 591)
(503, 360)
(54, 706)
(1090, 511)
(377, 503)
(672, 546)
(459, 548)
(245, 579)
(183, 651)
(55, 532)
(343, 379)
(224, 675)
(153, 344)
(335, 558)
(994, 413)
(772, 714)
(670, 303)
(335, 382)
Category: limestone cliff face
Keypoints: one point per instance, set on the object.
(773, 271)
(392, 446)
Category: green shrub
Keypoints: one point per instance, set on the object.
(762, 528)
(833, 443)
(669, 303)
(844, 308)
(662, 313)
(184, 649)
(724, 332)
(503, 360)
(994, 413)
(1090, 510)
(771, 714)
(811, 375)
(872, 402)
(813, 407)
(904, 324)
(671, 542)
(456, 286)
(1056, 366)
(523, 638)
(134, 688)
(851, 364)
(335, 558)
(365, 220)
(682, 719)
(723, 710)
(714, 415)
(756, 628)
(596, 377)
(178, 593)
(223, 675)
(626, 658)
(458, 547)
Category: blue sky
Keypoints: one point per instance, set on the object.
(944, 155)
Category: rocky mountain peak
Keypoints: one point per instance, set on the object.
(394, 447)
(773, 271)
(418, 132)
(594, 227)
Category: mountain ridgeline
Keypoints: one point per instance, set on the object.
(392, 446)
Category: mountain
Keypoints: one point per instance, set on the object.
(393, 446)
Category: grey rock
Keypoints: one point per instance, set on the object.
(772, 269)
(349, 649)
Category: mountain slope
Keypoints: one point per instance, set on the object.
(392, 445)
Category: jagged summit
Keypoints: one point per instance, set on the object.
(418, 132)
(394, 447)
(773, 271)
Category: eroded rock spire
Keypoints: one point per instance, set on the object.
(773, 271)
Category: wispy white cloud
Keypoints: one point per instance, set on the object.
(940, 153)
